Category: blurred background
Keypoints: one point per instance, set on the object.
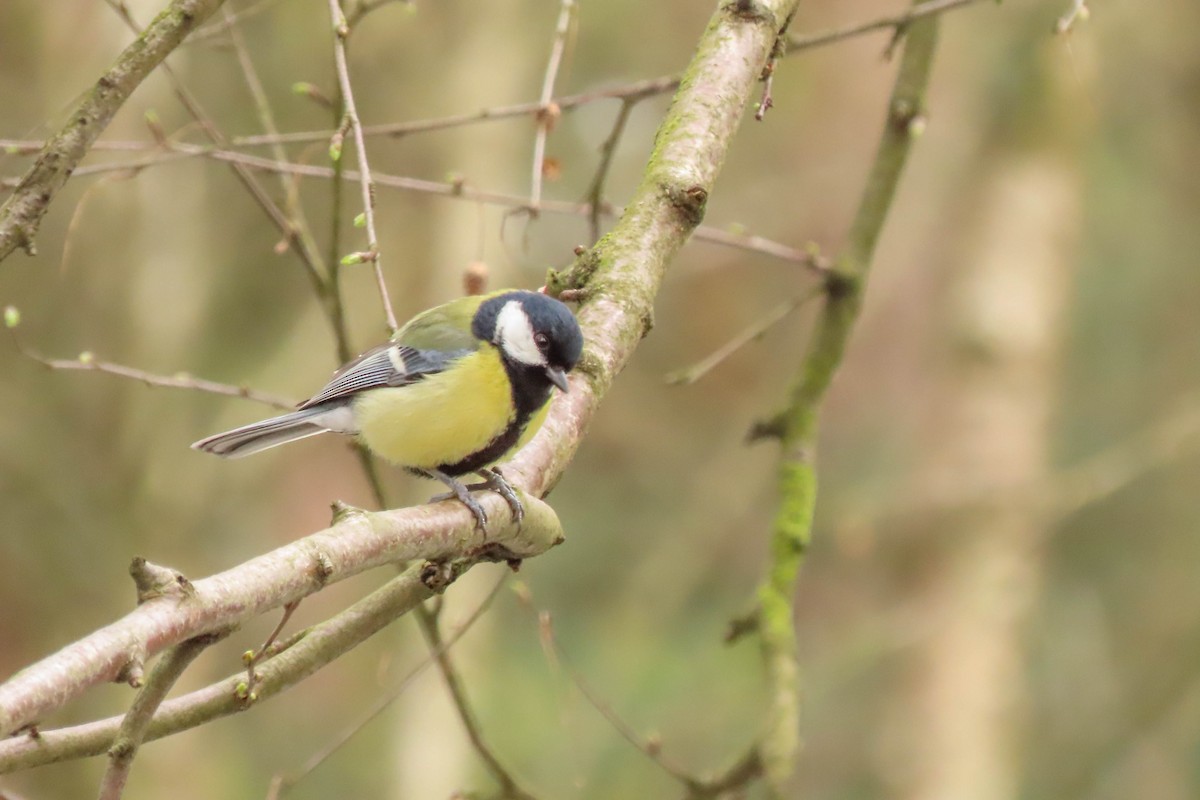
(1002, 599)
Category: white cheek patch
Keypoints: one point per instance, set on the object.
(514, 334)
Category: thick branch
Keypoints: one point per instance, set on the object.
(356, 542)
(22, 213)
(797, 424)
(315, 648)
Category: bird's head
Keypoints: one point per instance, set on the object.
(532, 330)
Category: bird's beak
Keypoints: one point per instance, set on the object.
(557, 377)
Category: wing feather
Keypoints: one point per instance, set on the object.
(388, 364)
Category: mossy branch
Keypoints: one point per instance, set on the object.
(796, 425)
(22, 213)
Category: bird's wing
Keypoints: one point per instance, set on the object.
(389, 364)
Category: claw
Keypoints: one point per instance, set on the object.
(461, 493)
(495, 481)
(492, 481)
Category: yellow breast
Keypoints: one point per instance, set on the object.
(442, 418)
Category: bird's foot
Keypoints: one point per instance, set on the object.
(462, 494)
(494, 480)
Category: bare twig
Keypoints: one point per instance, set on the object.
(300, 244)
(633, 91)
(214, 29)
(509, 787)
(458, 190)
(22, 213)
(137, 720)
(341, 30)
(88, 362)
(595, 194)
(895, 22)
(290, 189)
(548, 113)
(650, 748)
(755, 331)
(281, 782)
(768, 72)
(1078, 12)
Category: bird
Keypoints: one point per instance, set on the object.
(454, 390)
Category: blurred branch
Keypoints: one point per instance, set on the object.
(796, 424)
(760, 326)
(633, 91)
(357, 541)
(509, 788)
(22, 213)
(896, 22)
(128, 738)
(651, 749)
(20, 216)
(297, 236)
(455, 190)
(595, 194)
(341, 30)
(1078, 12)
(281, 782)
(548, 113)
(1114, 468)
(231, 19)
(86, 361)
(638, 90)
(266, 117)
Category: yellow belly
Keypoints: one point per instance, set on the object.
(440, 419)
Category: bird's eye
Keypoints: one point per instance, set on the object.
(541, 340)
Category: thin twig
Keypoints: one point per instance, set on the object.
(267, 118)
(548, 113)
(430, 626)
(632, 91)
(690, 375)
(87, 362)
(214, 29)
(459, 190)
(595, 193)
(805, 41)
(166, 671)
(308, 254)
(364, 7)
(282, 782)
(768, 73)
(341, 30)
(650, 748)
(1078, 12)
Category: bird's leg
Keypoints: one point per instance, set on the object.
(458, 490)
(495, 481)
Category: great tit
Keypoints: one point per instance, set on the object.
(453, 391)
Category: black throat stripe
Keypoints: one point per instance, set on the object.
(530, 391)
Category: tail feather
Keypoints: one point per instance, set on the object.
(258, 436)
